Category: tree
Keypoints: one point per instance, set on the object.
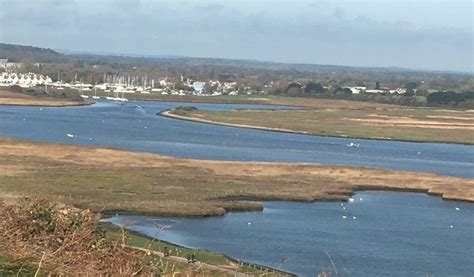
(347, 91)
(314, 88)
(411, 85)
(294, 89)
(444, 98)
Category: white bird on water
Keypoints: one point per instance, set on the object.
(351, 199)
(344, 216)
(457, 209)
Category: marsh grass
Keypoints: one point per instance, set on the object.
(350, 119)
(112, 180)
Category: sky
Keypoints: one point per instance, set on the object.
(423, 34)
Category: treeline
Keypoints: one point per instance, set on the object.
(451, 98)
(412, 97)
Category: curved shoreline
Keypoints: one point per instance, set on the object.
(106, 215)
(110, 213)
(169, 114)
(243, 262)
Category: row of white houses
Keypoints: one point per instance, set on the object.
(23, 79)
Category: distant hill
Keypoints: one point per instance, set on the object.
(17, 53)
(237, 63)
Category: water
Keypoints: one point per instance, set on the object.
(393, 234)
(136, 126)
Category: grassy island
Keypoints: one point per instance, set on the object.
(350, 119)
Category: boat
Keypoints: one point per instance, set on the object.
(117, 98)
(70, 135)
(121, 99)
(355, 145)
(84, 96)
(95, 94)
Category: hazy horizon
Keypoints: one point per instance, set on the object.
(428, 35)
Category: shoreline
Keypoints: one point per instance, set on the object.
(107, 215)
(110, 225)
(169, 114)
(111, 213)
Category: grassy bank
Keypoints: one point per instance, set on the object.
(353, 119)
(40, 238)
(222, 261)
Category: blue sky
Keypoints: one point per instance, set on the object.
(434, 35)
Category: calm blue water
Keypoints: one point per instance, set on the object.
(136, 126)
(393, 234)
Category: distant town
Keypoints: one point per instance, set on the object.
(120, 84)
(120, 78)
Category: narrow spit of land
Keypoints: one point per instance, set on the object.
(106, 179)
(349, 119)
(20, 99)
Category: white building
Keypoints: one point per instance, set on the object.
(199, 87)
(356, 90)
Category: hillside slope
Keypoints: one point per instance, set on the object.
(17, 53)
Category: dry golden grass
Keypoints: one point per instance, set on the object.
(119, 180)
(65, 241)
(353, 119)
